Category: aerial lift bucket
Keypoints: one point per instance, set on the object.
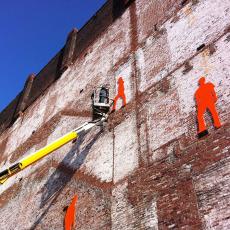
(100, 102)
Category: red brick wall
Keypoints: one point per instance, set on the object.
(147, 169)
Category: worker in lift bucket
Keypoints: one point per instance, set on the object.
(206, 98)
(103, 95)
(120, 94)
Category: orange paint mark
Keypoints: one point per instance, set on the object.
(121, 93)
(70, 214)
(206, 98)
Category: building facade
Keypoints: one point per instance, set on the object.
(147, 169)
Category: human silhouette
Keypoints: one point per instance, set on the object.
(70, 214)
(206, 98)
(121, 93)
(103, 95)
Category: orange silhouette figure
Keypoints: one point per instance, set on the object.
(206, 98)
(70, 214)
(121, 93)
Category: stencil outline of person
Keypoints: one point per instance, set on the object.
(120, 94)
(206, 99)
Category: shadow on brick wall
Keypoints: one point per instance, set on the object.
(64, 174)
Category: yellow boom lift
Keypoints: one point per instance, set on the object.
(100, 114)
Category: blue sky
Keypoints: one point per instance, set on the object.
(31, 33)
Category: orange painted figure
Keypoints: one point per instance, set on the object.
(206, 98)
(121, 93)
(70, 214)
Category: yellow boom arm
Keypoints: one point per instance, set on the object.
(47, 149)
(32, 158)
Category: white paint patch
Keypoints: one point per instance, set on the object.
(209, 20)
(99, 161)
(125, 71)
(121, 212)
(140, 57)
(150, 219)
(125, 149)
(152, 60)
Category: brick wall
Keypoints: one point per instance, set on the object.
(147, 169)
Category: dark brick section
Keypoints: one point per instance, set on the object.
(68, 50)
(6, 116)
(24, 96)
(119, 7)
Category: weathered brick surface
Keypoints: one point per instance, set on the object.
(180, 183)
(146, 169)
(212, 188)
(8, 113)
(125, 149)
